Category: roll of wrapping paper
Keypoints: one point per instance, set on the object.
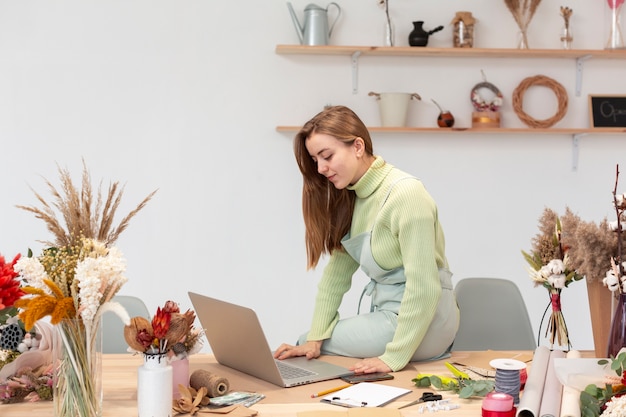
(216, 385)
(533, 390)
(552, 389)
(570, 403)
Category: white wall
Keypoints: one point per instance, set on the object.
(184, 96)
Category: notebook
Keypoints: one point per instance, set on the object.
(237, 341)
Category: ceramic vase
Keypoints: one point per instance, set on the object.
(77, 380)
(617, 334)
(154, 386)
(180, 375)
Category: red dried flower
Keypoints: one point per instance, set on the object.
(10, 290)
(161, 323)
(145, 338)
(171, 307)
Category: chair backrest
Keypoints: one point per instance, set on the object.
(113, 328)
(493, 316)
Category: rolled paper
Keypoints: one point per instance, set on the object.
(533, 390)
(570, 403)
(216, 385)
(552, 389)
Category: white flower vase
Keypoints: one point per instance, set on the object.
(154, 387)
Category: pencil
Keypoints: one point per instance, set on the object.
(328, 391)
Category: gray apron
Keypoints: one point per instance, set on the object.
(386, 289)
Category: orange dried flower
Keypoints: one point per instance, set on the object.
(42, 304)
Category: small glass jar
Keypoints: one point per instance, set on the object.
(567, 38)
(463, 30)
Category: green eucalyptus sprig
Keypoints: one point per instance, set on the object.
(465, 388)
(593, 398)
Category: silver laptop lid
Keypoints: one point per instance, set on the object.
(237, 341)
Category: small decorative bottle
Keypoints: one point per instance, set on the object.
(154, 386)
(566, 34)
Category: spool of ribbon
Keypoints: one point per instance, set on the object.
(508, 377)
(216, 385)
(498, 404)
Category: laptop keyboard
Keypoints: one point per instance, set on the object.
(289, 371)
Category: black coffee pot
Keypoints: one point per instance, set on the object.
(419, 36)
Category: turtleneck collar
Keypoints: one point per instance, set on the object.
(372, 178)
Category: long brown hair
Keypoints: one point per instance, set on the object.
(327, 211)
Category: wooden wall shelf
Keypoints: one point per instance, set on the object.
(500, 130)
(449, 52)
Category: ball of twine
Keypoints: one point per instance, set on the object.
(216, 385)
(542, 81)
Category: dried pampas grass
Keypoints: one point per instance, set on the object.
(82, 213)
(523, 12)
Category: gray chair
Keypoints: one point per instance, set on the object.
(493, 316)
(112, 327)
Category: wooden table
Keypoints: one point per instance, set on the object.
(120, 389)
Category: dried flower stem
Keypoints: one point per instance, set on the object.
(566, 13)
(522, 11)
(618, 211)
(80, 218)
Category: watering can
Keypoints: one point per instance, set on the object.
(315, 30)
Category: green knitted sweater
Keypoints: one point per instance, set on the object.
(406, 233)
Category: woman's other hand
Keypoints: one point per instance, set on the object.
(370, 365)
(310, 349)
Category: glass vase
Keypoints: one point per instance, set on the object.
(522, 39)
(77, 381)
(566, 38)
(154, 386)
(389, 32)
(615, 40)
(617, 334)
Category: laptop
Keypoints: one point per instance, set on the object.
(237, 341)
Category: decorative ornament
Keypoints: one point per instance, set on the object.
(543, 81)
(480, 104)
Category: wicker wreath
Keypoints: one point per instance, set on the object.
(543, 81)
(480, 104)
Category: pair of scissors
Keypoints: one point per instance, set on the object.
(426, 397)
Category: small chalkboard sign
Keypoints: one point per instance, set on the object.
(607, 111)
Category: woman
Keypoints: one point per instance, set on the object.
(366, 213)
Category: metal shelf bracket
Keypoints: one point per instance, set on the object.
(355, 71)
(579, 73)
(576, 149)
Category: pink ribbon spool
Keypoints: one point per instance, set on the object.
(498, 404)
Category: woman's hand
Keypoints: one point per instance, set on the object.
(310, 349)
(370, 365)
